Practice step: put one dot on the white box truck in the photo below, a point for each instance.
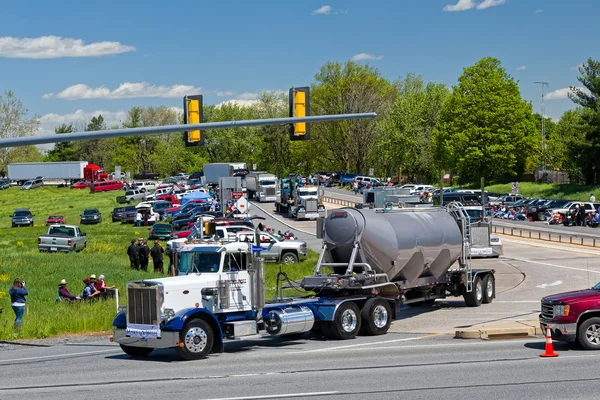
(67, 170)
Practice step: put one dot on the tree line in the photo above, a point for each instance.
(480, 127)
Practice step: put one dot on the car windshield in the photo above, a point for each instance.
(90, 212)
(199, 262)
(159, 206)
(165, 227)
(307, 193)
(21, 213)
(55, 217)
(28, 183)
(597, 286)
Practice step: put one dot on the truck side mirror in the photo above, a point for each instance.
(83, 234)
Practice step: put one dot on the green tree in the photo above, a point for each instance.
(63, 151)
(485, 128)
(588, 98)
(96, 151)
(349, 88)
(14, 123)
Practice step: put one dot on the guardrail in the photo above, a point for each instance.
(548, 236)
(345, 203)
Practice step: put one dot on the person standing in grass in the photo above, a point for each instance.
(17, 292)
(144, 251)
(157, 257)
(592, 198)
(134, 255)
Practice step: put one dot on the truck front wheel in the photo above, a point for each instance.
(136, 351)
(346, 323)
(475, 296)
(376, 317)
(588, 334)
(197, 338)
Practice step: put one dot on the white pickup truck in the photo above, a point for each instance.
(66, 238)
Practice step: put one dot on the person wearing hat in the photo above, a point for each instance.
(63, 292)
(89, 292)
(105, 290)
(93, 280)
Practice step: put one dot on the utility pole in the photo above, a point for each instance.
(544, 85)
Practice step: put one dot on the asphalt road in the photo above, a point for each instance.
(417, 359)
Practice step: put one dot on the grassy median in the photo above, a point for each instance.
(105, 254)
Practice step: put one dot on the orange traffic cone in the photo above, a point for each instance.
(549, 347)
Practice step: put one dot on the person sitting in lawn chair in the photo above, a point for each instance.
(90, 293)
(64, 294)
(105, 291)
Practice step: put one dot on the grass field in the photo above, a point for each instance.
(567, 192)
(105, 254)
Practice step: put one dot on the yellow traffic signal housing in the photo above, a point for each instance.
(192, 114)
(210, 228)
(299, 100)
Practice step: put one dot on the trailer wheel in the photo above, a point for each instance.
(474, 298)
(197, 338)
(136, 351)
(488, 289)
(376, 317)
(588, 334)
(346, 323)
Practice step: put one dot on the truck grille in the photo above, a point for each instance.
(480, 235)
(142, 305)
(310, 205)
(270, 191)
(547, 311)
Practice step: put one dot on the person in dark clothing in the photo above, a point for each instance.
(157, 257)
(64, 294)
(17, 293)
(144, 252)
(134, 255)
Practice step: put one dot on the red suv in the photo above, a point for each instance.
(573, 317)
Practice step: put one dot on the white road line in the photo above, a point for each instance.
(551, 265)
(59, 356)
(278, 396)
(517, 301)
(358, 345)
(545, 285)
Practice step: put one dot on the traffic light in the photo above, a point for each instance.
(210, 228)
(300, 107)
(192, 114)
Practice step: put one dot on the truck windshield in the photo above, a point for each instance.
(21, 214)
(307, 193)
(266, 183)
(199, 262)
(90, 212)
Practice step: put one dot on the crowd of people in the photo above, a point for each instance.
(94, 288)
(139, 255)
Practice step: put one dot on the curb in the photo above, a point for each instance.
(519, 329)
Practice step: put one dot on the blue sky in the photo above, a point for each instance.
(66, 60)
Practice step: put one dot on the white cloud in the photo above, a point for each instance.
(576, 68)
(79, 119)
(365, 56)
(127, 90)
(247, 96)
(237, 102)
(538, 11)
(490, 3)
(323, 10)
(563, 93)
(462, 5)
(225, 93)
(521, 68)
(55, 47)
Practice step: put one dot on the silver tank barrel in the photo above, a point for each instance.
(404, 244)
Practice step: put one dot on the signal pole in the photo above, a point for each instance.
(544, 85)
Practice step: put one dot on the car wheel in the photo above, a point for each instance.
(588, 334)
(541, 216)
(197, 338)
(289, 258)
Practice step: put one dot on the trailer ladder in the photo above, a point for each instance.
(461, 216)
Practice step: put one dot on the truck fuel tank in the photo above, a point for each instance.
(405, 244)
(289, 320)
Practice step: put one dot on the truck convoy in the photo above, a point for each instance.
(261, 186)
(72, 171)
(372, 261)
(299, 201)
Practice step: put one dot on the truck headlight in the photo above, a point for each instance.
(122, 310)
(561, 311)
(168, 313)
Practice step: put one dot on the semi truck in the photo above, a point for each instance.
(261, 186)
(67, 170)
(371, 262)
(299, 201)
(214, 171)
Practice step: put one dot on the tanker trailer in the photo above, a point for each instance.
(408, 253)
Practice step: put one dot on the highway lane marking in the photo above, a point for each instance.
(281, 221)
(516, 302)
(367, 344)
(278, 396)
(551, 265)
(86, 353)
(545, 285)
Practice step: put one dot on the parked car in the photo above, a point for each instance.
(146, 185)
(32, 184)
(196, 175)
(160, 231)
(182, 176)
(128, 215)
(22, 217)
(4, 184)
(116, 214)
(66, 238)
(81, 185)
(55, 219)
(146, 175)
(539, 212)
(105, 186)
(508, 199)
(91, 216)
(564, 209)
(132, 195)
(276, 248)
